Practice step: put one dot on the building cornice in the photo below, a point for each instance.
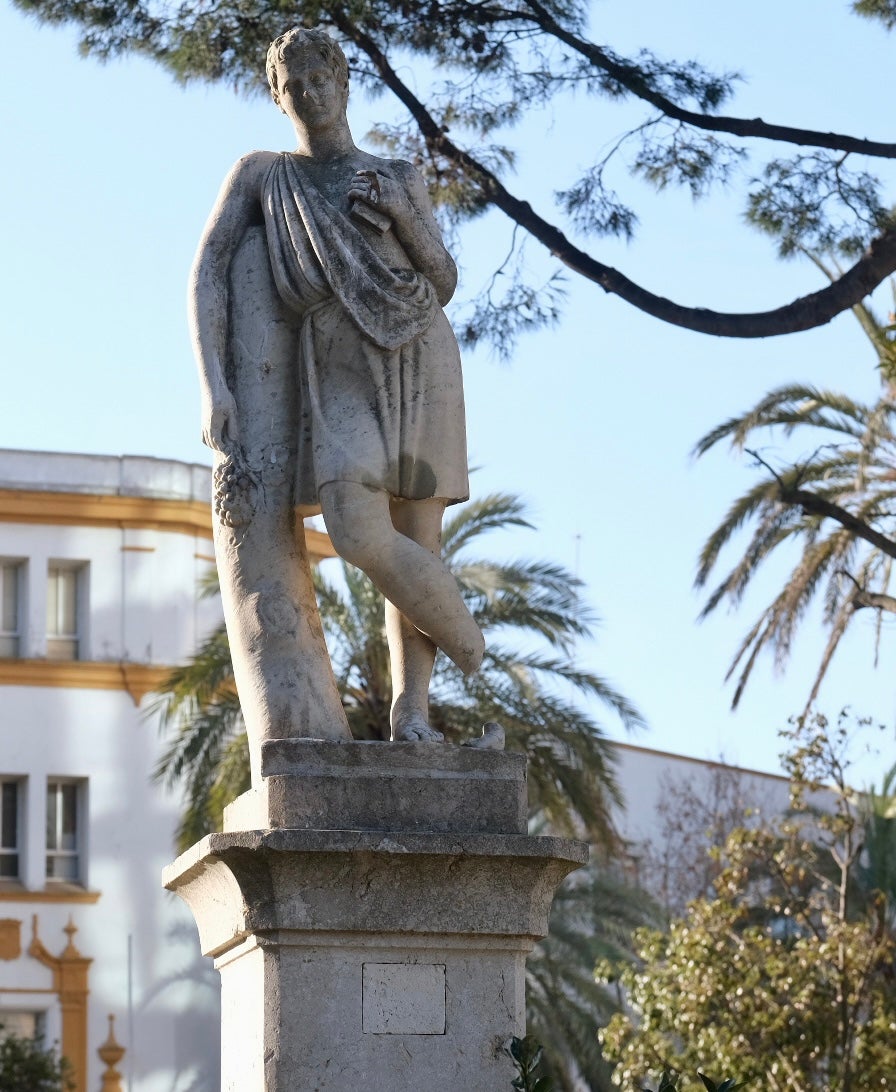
(707, 763)
(137, 679)
(191, 517)
(186, 517)
(59, 893)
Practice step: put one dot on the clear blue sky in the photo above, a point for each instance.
(110, 173)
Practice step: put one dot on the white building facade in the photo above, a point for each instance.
(100, 560)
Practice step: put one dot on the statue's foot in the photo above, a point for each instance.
(414, 729)
(492, 738)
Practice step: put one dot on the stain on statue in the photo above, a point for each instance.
(331, 382)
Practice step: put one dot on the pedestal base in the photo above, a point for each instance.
(378, 959)
(375, 1012)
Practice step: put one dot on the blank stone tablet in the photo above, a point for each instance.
(403, 998)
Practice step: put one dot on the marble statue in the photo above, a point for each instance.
(331, 382)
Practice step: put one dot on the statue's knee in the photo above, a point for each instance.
(349, 542)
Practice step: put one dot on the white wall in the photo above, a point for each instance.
(644, 776)
(140, 589)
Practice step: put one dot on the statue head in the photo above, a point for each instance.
(303, 48)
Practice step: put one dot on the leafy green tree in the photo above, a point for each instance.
(831, 508)
(787, 974)
(532, 614)
(482, 63)
(26, 1065)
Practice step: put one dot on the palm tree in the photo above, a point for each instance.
(532, 613)
(594, 916)
(835, 507)
(877, 864)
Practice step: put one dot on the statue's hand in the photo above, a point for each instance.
(381, 192)
(220, 426)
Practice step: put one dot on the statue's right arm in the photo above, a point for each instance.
(236, 208)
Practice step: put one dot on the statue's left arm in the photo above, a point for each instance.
(403, 197)
(237, 204)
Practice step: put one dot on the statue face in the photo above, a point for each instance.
(309, 93)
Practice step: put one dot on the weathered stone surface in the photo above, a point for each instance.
(331, 382)
(273, 625)
(316, 784)
(305, 926)
(303, 757)
(319, 1043)
(343, 880)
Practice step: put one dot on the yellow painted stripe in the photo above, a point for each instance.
(137, 679)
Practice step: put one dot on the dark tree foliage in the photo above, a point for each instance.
(885, 10)
(26, 1065)
(593, 919)
(669, 1082)
(526, 1055)
(480, 65)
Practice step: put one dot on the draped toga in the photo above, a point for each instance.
(380, 388)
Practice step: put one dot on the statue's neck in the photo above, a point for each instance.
(325, 144)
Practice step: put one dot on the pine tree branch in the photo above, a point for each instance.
(629, 77)
(804, 313)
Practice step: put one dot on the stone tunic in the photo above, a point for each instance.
(381, 395)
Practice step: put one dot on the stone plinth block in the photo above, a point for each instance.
(386, 959)
(323, 785)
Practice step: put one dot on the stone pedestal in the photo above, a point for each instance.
(370, 908)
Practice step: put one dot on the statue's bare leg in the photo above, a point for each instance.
(409, 575)
(412, 653)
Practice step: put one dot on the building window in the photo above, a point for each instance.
(10, 828)
(10, 607)
(64, 831)
(65, 585)
(21, 1024)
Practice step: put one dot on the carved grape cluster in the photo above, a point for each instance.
(235, 492)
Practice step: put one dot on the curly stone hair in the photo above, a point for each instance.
(298, 40)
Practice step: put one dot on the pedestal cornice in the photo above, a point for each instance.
(390, 882)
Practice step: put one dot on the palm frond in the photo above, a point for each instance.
(789, 407)
(495, 512)
(755, 502)
(532, 597)
(852, 467)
